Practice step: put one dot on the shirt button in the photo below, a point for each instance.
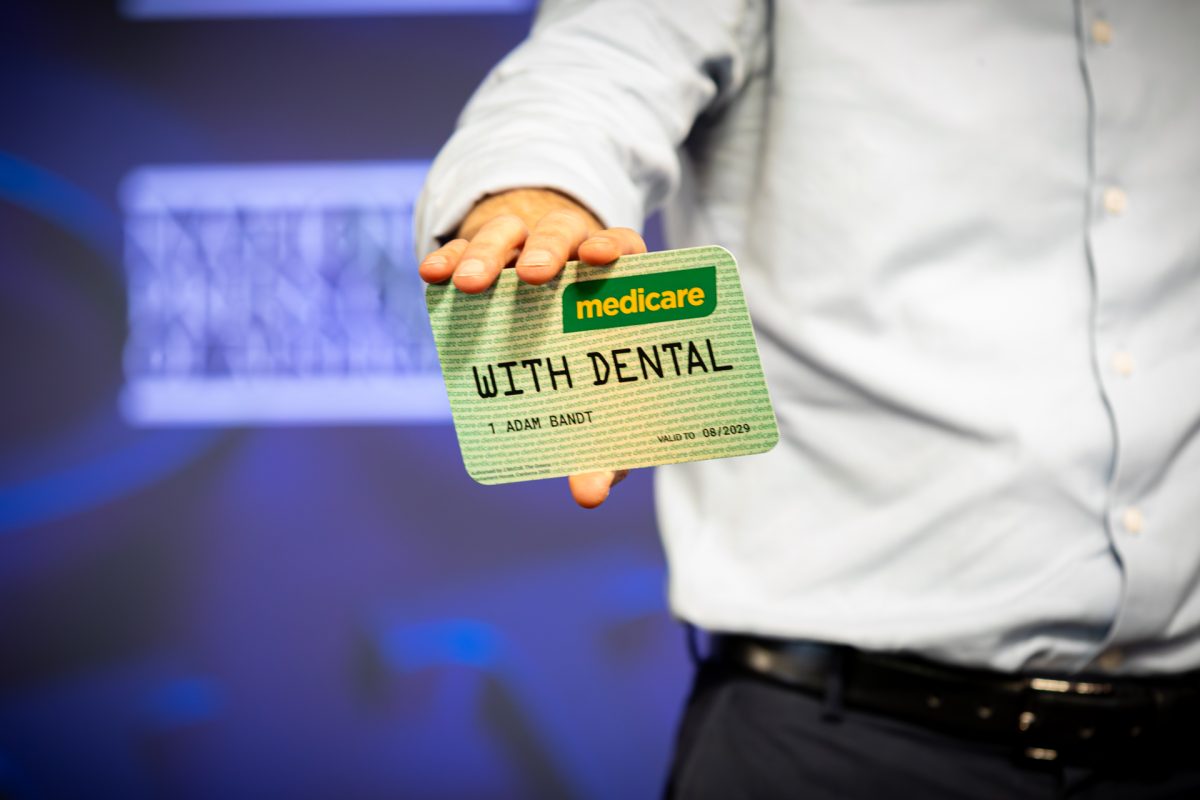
(1114, 200)
(1132, 520)
(1102, 32)
(1110, 659)
(1122, 363)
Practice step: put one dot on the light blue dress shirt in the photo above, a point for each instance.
(969, 235)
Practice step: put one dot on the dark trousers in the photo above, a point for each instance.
(743, 736)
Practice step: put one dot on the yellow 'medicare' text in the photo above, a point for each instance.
(639, 301)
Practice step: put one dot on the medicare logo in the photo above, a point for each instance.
(639, 299)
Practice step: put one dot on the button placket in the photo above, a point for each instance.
(1109, 204)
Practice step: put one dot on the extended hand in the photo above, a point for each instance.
(543, 230)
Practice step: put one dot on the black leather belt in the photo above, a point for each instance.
(1057, 719)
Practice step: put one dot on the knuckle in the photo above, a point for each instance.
(487, 255)
(567, 224)
(553, 241)
(500, 232)
(548, 224)
(564, 218)
(507, 222)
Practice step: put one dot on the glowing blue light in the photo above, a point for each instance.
(61, 202)
(183, 701)
(452, 641)
(59, 491)
(140, 463)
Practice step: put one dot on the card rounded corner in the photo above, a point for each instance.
(728, 253)
(482, 481)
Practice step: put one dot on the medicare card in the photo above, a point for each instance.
(650, 361)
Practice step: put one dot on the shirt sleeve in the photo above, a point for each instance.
(596, 104)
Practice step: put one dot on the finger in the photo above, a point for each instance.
(590, 489)
(606, 246)
(439, 265)
(551, 244)
(488, 252)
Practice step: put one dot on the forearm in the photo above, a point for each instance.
(595, 105)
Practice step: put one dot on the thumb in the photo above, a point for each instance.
(590, 489)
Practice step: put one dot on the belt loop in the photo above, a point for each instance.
(835, 684)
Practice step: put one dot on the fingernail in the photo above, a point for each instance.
(470, 268)
(435, 261)
(536, 258)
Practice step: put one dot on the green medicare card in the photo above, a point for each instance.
(650, 361)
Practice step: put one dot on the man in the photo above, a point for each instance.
(967, 236)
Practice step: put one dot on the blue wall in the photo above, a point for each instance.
(284, 611)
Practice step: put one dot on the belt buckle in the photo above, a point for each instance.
(1040, 695)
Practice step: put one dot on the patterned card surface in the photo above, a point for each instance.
(651, 361)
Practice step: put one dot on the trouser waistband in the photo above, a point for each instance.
(1064, 719)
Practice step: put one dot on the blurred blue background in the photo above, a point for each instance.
(239, 554)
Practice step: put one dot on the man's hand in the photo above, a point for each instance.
(542, 230)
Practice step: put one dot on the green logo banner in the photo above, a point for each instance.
(639, 299)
